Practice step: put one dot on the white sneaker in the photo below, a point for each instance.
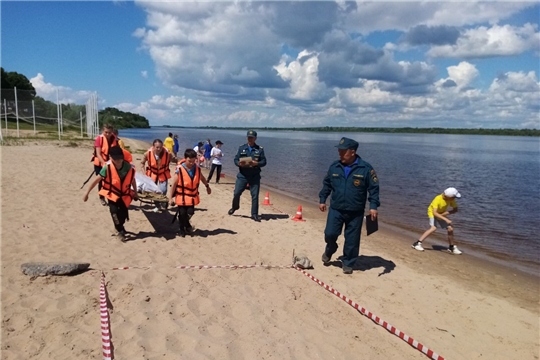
(455, 251)
(418, 246)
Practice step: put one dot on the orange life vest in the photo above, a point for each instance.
(127, 156)
(161, 172)
(105, 146)
(187, 189)
(113, 188)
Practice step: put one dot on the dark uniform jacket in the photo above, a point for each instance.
(350, 193)
(257, 154)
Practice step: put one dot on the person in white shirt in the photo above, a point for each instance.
(216, 154)
(200, 153)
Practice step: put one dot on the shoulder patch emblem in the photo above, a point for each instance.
(373, 175)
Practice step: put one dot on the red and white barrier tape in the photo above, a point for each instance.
(187, 267)
(104, 312)
(131, 267)
(430, 353)
(105, 334)
(232, 266)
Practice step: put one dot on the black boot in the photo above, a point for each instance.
(182, 232)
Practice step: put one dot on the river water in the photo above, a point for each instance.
(497, 176)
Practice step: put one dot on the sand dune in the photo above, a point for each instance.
(460, 307)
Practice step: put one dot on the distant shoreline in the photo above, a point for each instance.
(386, 130)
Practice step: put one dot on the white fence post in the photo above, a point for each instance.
(34, 116)
(58, 113)
(17, 112)
(5, 107)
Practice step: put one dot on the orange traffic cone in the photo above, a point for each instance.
(267, 199)
(298, 216)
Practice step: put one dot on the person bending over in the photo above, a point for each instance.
(437, 214)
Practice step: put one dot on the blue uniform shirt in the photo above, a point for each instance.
(256, 152)
(349, 167)
(349, 189)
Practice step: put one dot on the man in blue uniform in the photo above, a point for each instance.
(249, 173)
(349, 180)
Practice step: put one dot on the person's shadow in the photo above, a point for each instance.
(438, 248)
(160, 221)
(267, 217)
(364, 263)
(205, 233)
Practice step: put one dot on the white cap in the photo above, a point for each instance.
(452, 192)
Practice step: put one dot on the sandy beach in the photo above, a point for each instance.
(461, 307)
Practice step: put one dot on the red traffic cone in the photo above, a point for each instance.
(267, 199)
(298, 216)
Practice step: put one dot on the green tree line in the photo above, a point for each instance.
(47, 111)
(402, 130)
(121, 120)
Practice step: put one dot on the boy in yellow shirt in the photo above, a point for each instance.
(437, 213)
(168, 143)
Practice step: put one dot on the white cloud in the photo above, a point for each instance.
(380, 16)
(302, 75)
(462, 74)
(312, 63)
(368, 96)
(505, 40)
(160, 107)
(516, 82)
(66, 95)
(517, 94)
(171, 102)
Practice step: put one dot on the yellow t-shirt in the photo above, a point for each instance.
(441, 205)
(169, 143)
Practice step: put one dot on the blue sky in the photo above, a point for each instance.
(450, 64)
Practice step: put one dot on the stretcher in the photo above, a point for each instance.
(153, 199)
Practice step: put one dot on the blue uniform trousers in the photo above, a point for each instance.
(353, 225)
(239, 187)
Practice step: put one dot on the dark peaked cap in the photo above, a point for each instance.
(346, 143)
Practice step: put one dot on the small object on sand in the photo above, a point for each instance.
(302, 262)
(44, 269)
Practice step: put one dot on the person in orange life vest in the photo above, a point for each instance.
(102, 144)
(158, 158)
(118, 178)
(185, 190)
(127, 156)
(118, 140)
